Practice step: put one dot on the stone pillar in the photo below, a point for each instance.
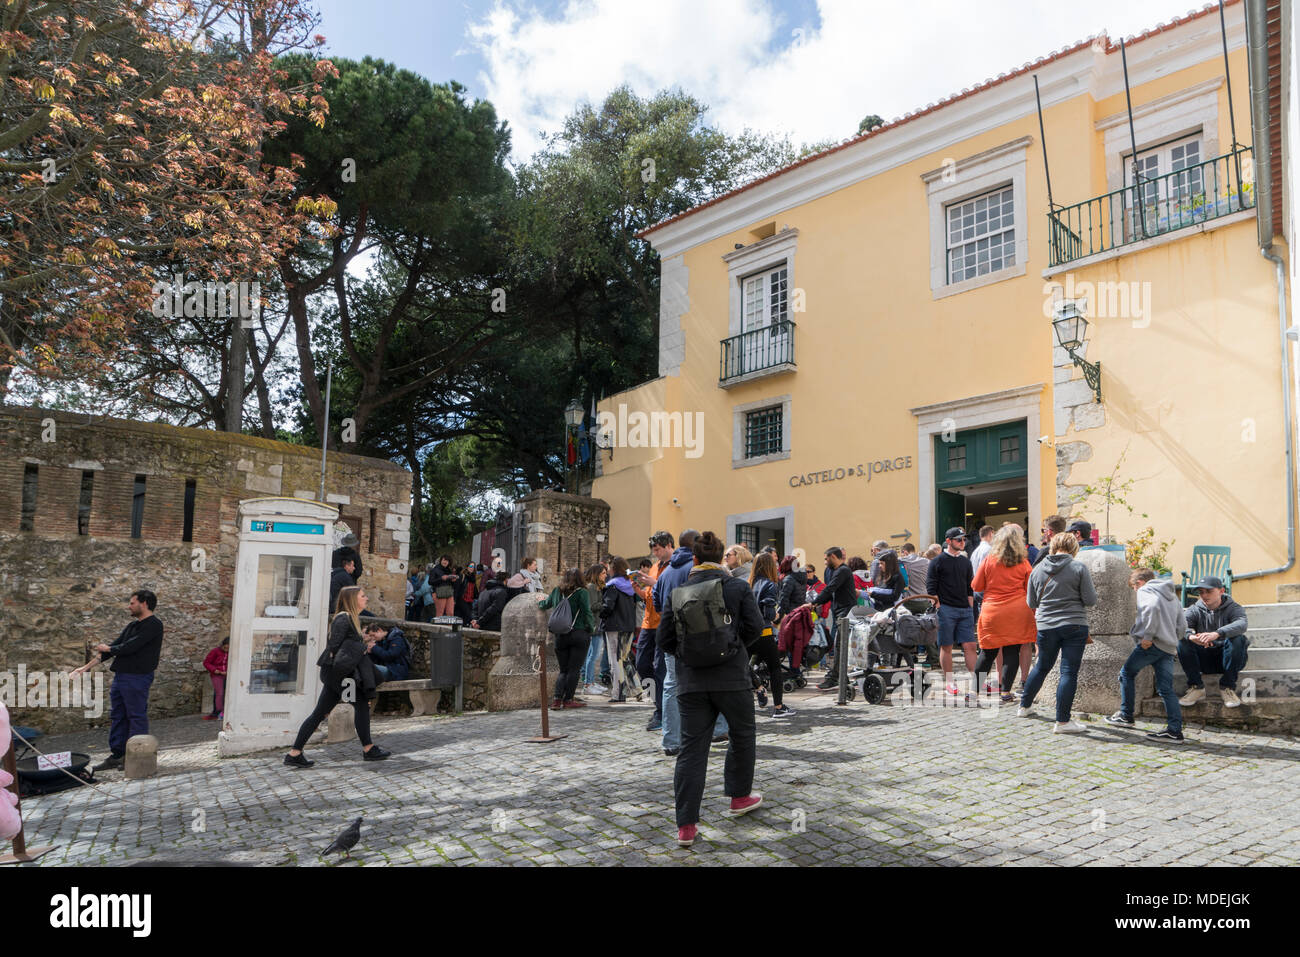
(341, 724)
(513, 684)
(141, 756)
(1109, 622)
(563, 531)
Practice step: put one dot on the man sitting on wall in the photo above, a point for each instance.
(1216, 643)
(390, 653)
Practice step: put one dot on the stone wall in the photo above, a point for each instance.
(563, 531)
(1076, 409)
(64, 583)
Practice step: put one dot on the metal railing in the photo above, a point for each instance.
(1155, 206)
(764, 348)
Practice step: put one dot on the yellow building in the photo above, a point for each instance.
(862, 345)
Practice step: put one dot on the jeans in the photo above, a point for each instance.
(129, 701)
(699, 710)
(1163, 664)
(382, 673)
(595, 655)
(329, 697)
(1068, 642)
(618, 644)
(672, 737)
(1225, 657)
(570, 651)
(650, 666)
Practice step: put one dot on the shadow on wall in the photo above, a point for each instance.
(1124, 406)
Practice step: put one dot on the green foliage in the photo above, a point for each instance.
(1111, 491)
(1144, 550)
(869, 123)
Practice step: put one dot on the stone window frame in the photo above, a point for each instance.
(738, 413)
(966, 179)
(785, 513)
(771, 253)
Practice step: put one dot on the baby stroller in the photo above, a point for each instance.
(883, 648)
(790, 678)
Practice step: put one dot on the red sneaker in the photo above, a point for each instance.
(744, 805)
(686, 835)
(575, 703)
(557, 704)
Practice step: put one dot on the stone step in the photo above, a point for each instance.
(1273, 637)
(1275, 615)
(1273, 659)
(1282, 683)
(1270, 715)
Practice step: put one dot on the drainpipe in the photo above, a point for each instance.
(1257, 54)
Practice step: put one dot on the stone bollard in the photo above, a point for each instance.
(1109, 621)
(425, 702)
(513, 684)
(341, 724)
(141, 756)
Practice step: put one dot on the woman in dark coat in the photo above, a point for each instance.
(794, 585)
(618, 622)
(571, 648)
(344, 659)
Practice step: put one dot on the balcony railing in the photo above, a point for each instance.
(766, 350)
(1153, 207)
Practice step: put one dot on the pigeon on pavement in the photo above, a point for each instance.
(347, 840)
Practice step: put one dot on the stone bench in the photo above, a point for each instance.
(423, 692)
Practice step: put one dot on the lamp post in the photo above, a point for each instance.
(1071, 327)
(572, 421)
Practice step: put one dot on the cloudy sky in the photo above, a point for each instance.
(807, 68)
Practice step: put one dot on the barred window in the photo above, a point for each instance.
(981, 235)
(747, 535)
(956, 458)
(763, 432)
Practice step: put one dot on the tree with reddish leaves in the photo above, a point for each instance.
(131, 150)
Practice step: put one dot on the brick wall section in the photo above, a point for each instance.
(61, 591)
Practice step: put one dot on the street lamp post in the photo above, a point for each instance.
(572, 421)
(1071, 327)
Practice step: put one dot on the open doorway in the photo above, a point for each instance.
(987, 503)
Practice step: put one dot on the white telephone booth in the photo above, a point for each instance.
(277, 621)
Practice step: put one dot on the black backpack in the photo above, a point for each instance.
(705, 635)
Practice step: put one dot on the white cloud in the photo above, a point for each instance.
(744, 60)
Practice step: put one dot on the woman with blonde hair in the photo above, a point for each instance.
(739, 560)
(344, 659)
(1006, 622)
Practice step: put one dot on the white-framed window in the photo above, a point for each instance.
(1169, 174)
(981, 235)
(978, 224)
(766, 297)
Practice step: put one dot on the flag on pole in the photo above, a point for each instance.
(572, 452)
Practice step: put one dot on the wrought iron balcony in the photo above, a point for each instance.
(1153, 207)
(765, 351)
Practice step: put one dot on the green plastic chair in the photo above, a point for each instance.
(1207, 560)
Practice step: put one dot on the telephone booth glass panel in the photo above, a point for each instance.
(276, 665)
(283, 587)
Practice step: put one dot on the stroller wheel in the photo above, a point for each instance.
(853, 691)
(801, 682)
(873, 688)
(788, 685)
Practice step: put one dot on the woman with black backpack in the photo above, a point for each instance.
(570, 646)
(345, 658)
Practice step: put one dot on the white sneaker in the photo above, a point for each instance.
(1023, 712)
(1230, 699)
(597, 689)
(1193, 695)
(1070, 727)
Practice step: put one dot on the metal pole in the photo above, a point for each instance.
(546, 737)
(21, 853)
(1227, 76)
(1128, 99)
(1043, 139)
(842, 658)
(325, 432)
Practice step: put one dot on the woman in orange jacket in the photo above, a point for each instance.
(1006, 621)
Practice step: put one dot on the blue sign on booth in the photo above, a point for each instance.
(286, 528)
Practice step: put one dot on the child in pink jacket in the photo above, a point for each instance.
(215, 662)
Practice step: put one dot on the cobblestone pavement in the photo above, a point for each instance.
(852, 785)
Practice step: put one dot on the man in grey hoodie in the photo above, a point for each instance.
(1160, 623)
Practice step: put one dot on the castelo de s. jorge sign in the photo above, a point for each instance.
(862, 470)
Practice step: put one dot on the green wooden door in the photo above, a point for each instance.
(950, 512)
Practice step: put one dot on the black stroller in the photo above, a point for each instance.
(882, 655)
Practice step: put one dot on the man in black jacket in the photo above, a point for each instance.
(135, 656)
(492, 603)
(843, 596)
(705, 692)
